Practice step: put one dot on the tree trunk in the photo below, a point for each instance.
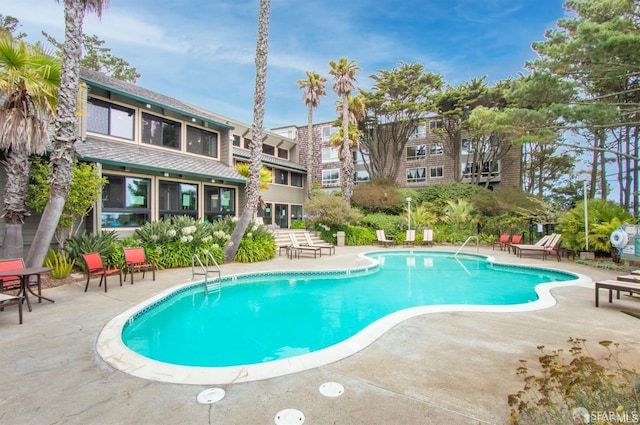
(259, 100)
(310, 152)
(15, 198)
(347, 163)
(63, 153)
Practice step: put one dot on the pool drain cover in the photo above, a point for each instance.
(210, 396)
(289, 417)
(331, 389)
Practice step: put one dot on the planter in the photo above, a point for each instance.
(587, 255)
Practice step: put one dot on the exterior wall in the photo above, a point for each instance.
(509, 166)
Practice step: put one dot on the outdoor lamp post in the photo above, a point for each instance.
(409, 209)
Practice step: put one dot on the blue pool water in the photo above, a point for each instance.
(260, 318)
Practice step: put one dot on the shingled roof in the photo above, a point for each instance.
(98, 79)
(135, 156)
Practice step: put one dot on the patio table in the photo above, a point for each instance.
(25, 274)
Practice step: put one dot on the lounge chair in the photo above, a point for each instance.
(95, 268)
(502, 242)
(551, 245)
(427, 237)
(296, 248)
(615, 285)
(410, 238)
(135, 261)
(326, 245)
(383, 240)
(541, 243)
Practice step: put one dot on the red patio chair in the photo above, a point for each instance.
(502, 242)
(95, 268)
(8, 283)
(136, 262)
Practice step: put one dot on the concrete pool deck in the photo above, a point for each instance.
(445, 367)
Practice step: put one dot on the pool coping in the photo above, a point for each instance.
(114, 352)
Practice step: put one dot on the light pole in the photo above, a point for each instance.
(409, 209)
(586, 218)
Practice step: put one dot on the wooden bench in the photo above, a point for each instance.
(615, 285)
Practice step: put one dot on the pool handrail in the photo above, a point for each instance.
(215, 285)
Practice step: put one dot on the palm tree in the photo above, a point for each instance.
(314, 86)
(29, 79)
(63, 154)
(344, 72)
(259, 100)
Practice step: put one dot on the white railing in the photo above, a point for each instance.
(214, 285)
(465, 242)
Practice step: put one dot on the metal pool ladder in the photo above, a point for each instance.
(203, 269)
(465, 242)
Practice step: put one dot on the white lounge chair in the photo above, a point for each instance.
(326, 245)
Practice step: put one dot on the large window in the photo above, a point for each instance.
(283, 153)
(160, 131)
(330, 177)
(177, 199)
(112, 120)
(416, 175)
(296, 179)
(329, 154)
(236, 140)
(125, 202)
(471, 168)
(416, 153)
(327, 132)
(435, 124)
(219, 202)
(468, 146)
(419, 132)
(281, 176)
(436, 149)
(202, 142)
(268, 149)
(296, 213)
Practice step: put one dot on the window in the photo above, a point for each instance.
(236, 140)
(330, 177)
(125, 202)
(436, 149)
(467, 147)
(160, 131)
(327, 132)
(177, 198)
(247, 143)
(219, 202)
(296, 179)
(470, 168)
(329, 154)
(416, 175)
(281, 176)
(202, 142)
(291, 133)
(436, 171)
(268, 149)
(296, 212)
(415, 153)
(435, 124)
(419, 132)
(112, 120)
(362, 176)
(283, 153)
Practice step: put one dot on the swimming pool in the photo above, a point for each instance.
(290, 320)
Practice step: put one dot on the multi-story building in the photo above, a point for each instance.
(163, 157)
(424, 161)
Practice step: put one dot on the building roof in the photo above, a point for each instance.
(145, 96)
(245, 154)
(135, 156)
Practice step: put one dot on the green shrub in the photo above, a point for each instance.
(298, 224)
(105, 243)
(577, 382)
(391, 224)
(60, 264)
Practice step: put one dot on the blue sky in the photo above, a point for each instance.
(202, 51)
